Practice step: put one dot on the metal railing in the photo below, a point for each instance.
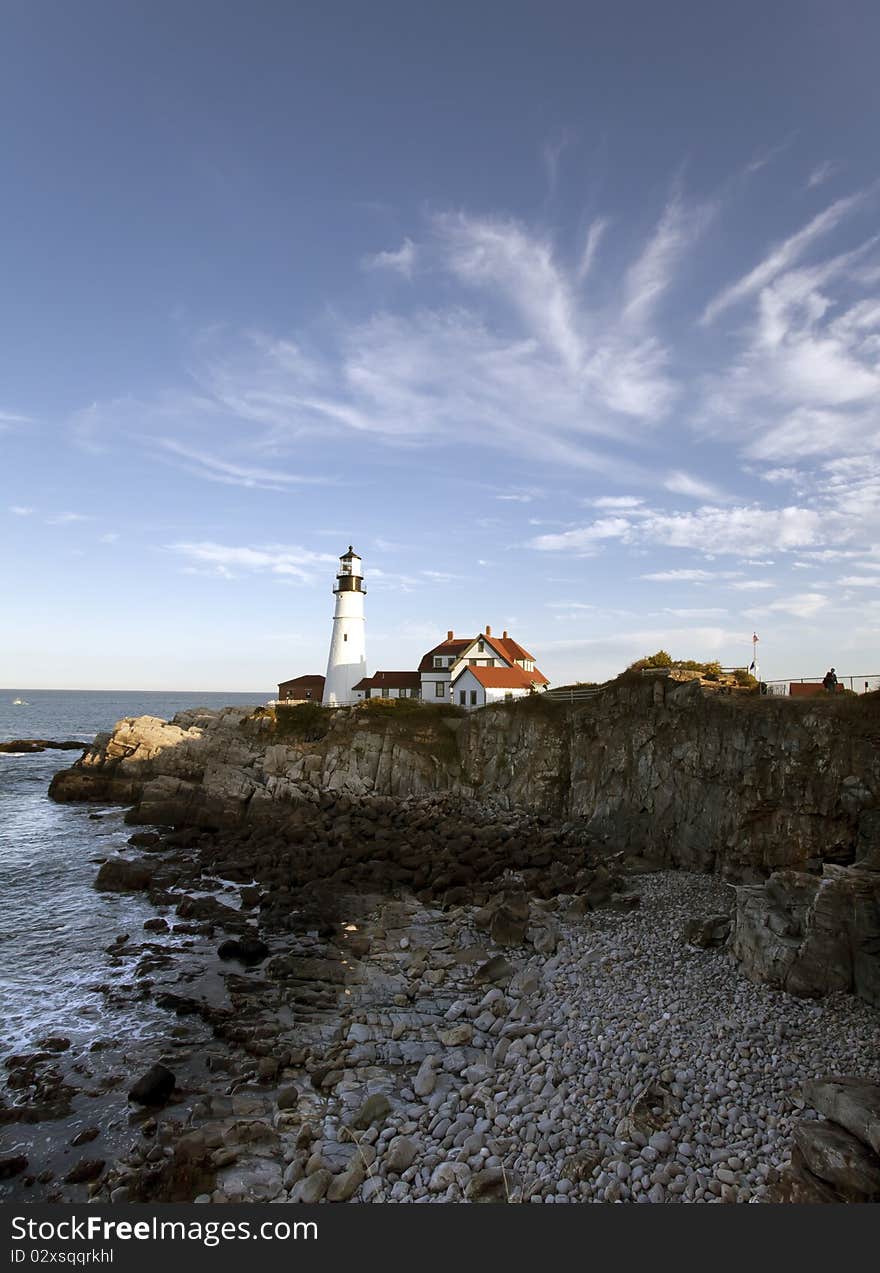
(861, 683)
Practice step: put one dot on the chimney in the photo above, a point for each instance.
(488, 630)
(504, 635)
(449, 635)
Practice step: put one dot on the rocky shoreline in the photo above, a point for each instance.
(433, 1000)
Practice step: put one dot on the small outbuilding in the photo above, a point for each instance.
(302, 689)
(388, 685)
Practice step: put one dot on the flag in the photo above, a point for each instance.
(752, 666)
(754, 636)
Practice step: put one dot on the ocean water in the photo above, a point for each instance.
(54, 926)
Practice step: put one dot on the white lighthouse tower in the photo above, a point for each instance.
(348, 660)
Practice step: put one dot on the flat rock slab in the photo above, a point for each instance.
(852, 1102)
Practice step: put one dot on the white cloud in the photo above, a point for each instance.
(781, 257)
(651, 274)
(276, 559)
(585, 539)
(67, 519)
(681, 483)
(622, 502)
(680, 576)
(215, 470)
(20, 510)
(403, 261)
(750, 585)
(591, 247)
(803, 606)
(10, 420)
(740, 531)
(821, 173)
(707, 612)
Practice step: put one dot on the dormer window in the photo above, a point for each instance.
(438, 661)
(480, 647)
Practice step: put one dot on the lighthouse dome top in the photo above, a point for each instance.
(350, 554)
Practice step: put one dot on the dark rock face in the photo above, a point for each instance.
(85, 1170)
(854, 1103)
(836, 1159)
(836, 1156)
(118, 876)
(812, 935)
(154, 1087)
(248, 950)
(40, 744)
(13, 1165)
(712, 931)
(742, 787)
(656, 769)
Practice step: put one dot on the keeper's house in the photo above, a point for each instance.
(499, 666)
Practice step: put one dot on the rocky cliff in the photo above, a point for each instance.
(777, 796)
(740, 786)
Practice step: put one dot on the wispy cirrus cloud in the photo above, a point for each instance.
(781, 257)
(12, 420)
(738, 531)
(822, 173)
(508, 348)
(402, 261)
(274, 559)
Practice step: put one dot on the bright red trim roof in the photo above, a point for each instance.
(507, 678)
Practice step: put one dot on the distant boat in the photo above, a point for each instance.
(20, 702)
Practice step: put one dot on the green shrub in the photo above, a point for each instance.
(302, 722)
(660, 659)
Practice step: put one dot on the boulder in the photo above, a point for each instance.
(374, 1111)
(247, 950)
(839, 1158)
(119, 876)
(12, 1165)
(510, 920)
(402, 1153)
(488, 1185)
(713, 930)
(854, 1103)
(154, 1087)
(85, 1170)
(311, 1188)
(812, 935)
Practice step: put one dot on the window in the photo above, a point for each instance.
(508, 696)
(439, 689)
(438, 661)
(462, 697)
(480, 647)
(345, 636)
(366, 693)
(450, 661)
(401, 693)
(473, 662)
(473, 698)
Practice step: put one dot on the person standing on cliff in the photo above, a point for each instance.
(830, 681)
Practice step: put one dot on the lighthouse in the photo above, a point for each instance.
(347, 663)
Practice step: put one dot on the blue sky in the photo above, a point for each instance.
(566, 315)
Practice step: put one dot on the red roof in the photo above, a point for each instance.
(510, 649)
(390, 681)
(447, 648)
(506, 678)
(304, 682)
